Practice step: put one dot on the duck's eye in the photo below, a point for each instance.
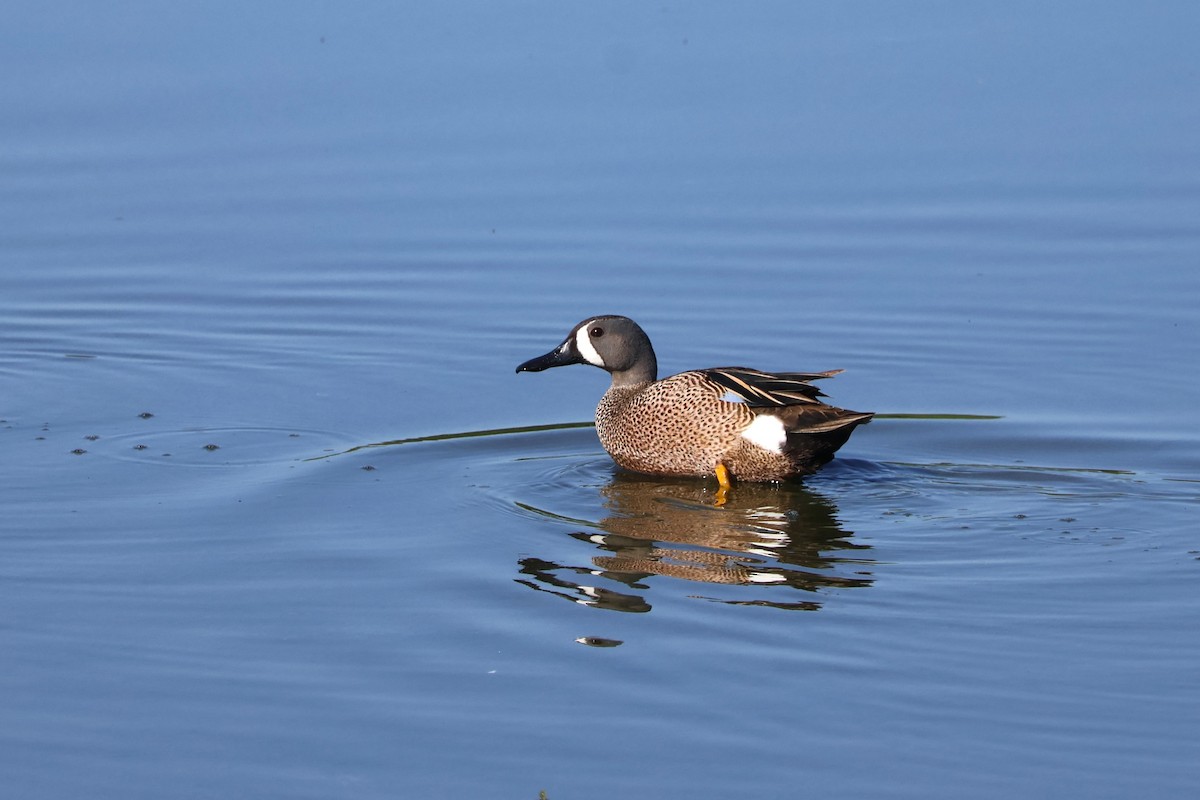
(596, 332)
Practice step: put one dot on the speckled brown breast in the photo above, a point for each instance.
(681, 426)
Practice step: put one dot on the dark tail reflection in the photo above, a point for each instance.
(775, 537)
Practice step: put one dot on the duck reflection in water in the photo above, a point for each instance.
(773, 536)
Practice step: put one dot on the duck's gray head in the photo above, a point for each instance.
(616, 344)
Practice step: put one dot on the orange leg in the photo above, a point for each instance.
(725, 484)
(723, 476)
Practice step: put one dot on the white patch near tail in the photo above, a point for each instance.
(584, 345)
(767, 432)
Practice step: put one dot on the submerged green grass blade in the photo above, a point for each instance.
(971, 417)
(562, 426)
(440, 437)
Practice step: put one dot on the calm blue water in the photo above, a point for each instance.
(238, 245)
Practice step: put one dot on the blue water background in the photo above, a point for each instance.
(248, 240)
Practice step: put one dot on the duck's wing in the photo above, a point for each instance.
(758, 388)
(816, 419)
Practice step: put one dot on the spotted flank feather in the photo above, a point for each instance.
(766, 389)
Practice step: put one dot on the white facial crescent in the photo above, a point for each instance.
(584, 344)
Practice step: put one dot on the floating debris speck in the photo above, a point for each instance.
(599, 641)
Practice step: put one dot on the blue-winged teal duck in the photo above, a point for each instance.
(727, 421)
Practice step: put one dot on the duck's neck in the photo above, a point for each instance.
(644, 371)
